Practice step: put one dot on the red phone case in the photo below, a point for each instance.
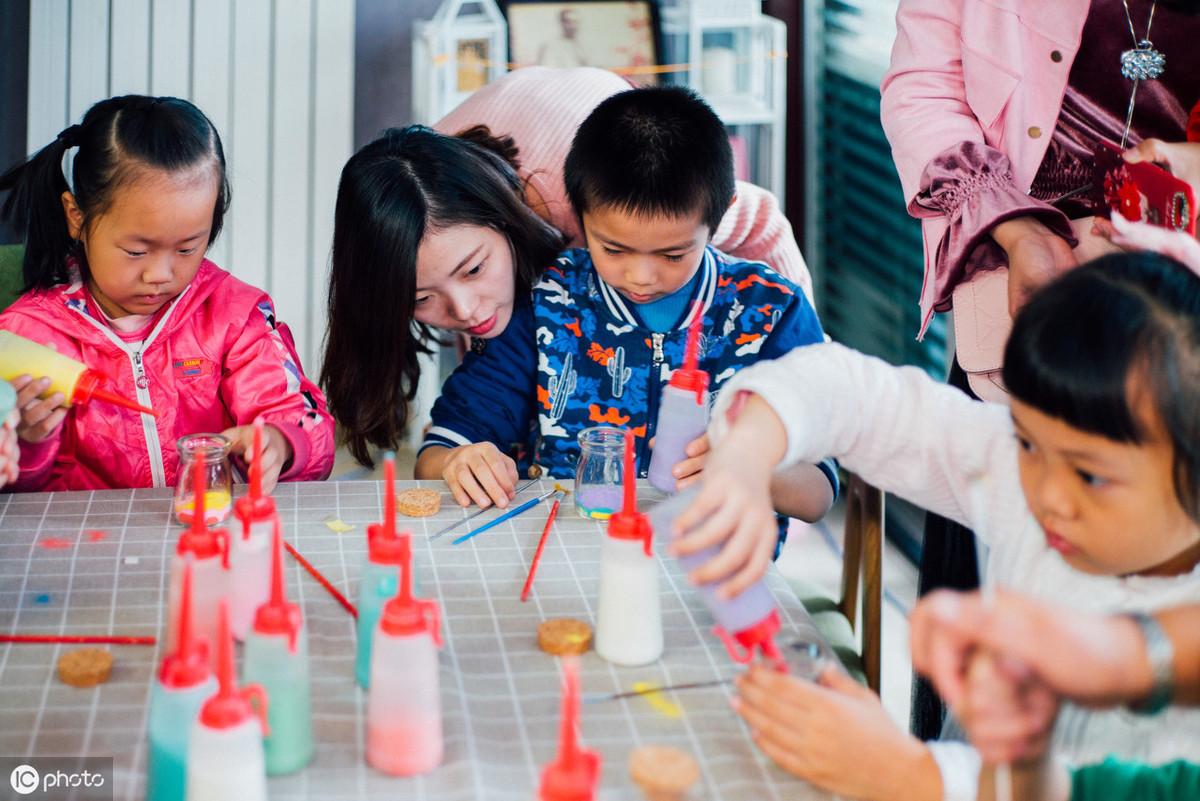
(1143, 191)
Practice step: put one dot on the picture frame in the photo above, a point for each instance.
(617, 35)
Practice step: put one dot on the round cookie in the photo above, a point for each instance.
(662, 772)
(85, 667)
(564, 636)
(418, 502)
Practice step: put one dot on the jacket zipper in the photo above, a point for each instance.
(653, 397)
(158, 472)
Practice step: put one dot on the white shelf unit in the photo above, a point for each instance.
(736, 58)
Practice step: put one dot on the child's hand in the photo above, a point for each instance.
(690, 470)
(276, 450)
(826, 732)
(480, 473)
(39, 418)
(1007, 712)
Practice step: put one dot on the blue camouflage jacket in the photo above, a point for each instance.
(578, 356)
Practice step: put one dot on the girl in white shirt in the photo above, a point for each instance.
(1087, 492)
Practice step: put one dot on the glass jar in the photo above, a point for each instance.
(218, 478)
(600, 473)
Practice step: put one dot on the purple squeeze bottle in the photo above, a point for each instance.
(683, 412)
(747, 622)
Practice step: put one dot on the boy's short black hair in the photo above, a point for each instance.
(653, 151)
(1085, 344)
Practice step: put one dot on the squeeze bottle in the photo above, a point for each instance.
(575, 772)
(225, 754)
(184, 682)
(209, 552)
(404, 709)
(683, 412)
(378, 579)
(78, 383)
(276, 658)
(629, 621)
(250, 549)
(745, 623)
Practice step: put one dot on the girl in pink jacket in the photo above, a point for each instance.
(116, 278)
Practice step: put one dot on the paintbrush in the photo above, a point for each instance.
(599, 698)
(442, 531)
(506, 516)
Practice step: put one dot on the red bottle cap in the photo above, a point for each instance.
(628, 524)
(760, 637)
(690, 378)
(198, 539)
(230, 706)
(87, 389)
(383, 546)
(575, 772)
(404, 615)
(187, 666)
(277, 616)
(254, 507)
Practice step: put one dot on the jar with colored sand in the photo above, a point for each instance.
(599, 474)
(218, 498)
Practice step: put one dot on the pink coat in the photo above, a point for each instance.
(541, 108)
(215, 359)
(989, 71)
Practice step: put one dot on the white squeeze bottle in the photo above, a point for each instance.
(404, 706)
(250, 547)
(225, 752)
(683, 412)
(209, 552)
(629, 620)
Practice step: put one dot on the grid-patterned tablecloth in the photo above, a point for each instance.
(94, 563)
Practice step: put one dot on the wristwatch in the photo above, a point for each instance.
(1161, 654)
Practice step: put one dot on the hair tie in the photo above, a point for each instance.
(70, 136)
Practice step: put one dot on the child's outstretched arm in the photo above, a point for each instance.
(895, 427)
(486, 404)
(263, 378)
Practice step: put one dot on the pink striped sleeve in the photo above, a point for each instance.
(755, 229)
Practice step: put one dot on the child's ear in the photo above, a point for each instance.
(74, 215)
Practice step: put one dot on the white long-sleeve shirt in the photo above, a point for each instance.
(923, 441)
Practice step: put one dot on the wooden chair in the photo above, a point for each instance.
(862, 568)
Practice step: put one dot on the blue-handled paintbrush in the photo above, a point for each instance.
(506, 516)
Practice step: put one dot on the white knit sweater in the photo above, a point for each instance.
(923, 441)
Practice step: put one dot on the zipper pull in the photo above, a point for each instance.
(657, 341)
(139, 374)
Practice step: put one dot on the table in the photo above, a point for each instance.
(94, 563)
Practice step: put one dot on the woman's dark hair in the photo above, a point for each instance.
(1082, 345)
(392, 192)
(116, 138)
(653, 151)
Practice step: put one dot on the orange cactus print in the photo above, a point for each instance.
(574, 328)
(744, 338)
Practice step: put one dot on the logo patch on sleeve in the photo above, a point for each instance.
(191, 368)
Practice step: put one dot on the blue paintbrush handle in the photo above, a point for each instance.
(506, 516)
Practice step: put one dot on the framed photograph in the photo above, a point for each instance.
(618, 35)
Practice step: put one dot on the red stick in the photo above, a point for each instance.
(324, 582)
(76, 639)
(537, 555)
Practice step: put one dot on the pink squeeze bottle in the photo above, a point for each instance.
(575, 772)
(745, 623)
(404, 706)
(225, 752)
(209, 551)
(683, 412)
(250, 549)
(628, 616)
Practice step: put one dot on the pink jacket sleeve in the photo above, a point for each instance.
(263, 377)
(755, 229)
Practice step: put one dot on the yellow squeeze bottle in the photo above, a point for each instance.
(78, 383)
